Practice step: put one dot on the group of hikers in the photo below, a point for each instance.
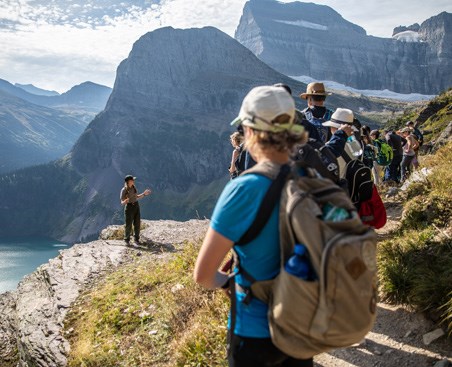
(268, 325)
(307, 201)
(391, 155)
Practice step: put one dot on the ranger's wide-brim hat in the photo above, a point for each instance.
(129, 177)
(315, 89)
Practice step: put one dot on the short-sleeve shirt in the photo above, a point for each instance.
(234, 213)
(129, 193)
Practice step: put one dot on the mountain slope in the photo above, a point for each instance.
(88, 95)
(167, 122)
(314, 40)
(33, 134)
(30, 88)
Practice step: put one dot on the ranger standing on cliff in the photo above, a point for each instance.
(129, 198)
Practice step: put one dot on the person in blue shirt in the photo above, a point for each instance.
(268, 118)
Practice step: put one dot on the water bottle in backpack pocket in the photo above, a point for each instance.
(299, 264)
(334, 213)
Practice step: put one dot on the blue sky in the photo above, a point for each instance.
(56, 44)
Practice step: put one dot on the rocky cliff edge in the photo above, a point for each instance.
(32, 317)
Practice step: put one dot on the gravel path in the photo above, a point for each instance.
(397, 337)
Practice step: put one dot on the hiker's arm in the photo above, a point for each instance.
(212, 253)
(337, 142)
(123, 198)
(235, 154)
(145, 193)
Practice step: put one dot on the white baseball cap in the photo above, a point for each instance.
(262, 105)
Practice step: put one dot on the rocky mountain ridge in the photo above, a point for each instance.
(39, 126)
(30, 88)
(33, 134)
(305, 39)
(87, 95)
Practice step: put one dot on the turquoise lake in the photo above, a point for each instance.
(19, 257)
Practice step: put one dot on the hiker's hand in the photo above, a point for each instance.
(347, 128)
(125, 201)
(147, 192)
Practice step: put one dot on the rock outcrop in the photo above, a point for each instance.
(32, 317)
(414, 28)
(314, 40)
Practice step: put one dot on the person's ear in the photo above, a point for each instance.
(248, 132)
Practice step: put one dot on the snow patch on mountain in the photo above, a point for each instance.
(387, 94)
(407, 36)
(304, 24)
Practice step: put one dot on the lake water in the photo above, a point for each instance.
(19, 257)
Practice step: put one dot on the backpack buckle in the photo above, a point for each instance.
(246, 291)
(248, 296)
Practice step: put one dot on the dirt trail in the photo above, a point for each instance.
(396, 339)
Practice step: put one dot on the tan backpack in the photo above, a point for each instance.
(338, 309)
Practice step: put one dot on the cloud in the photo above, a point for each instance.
(379, 18)
(61, 43)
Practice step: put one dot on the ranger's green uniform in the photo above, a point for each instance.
(131, 213)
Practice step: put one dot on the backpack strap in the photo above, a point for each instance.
(346, 157)
(267, 205)
(263, 215)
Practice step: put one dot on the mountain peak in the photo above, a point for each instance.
(305, 39)
(30, 88)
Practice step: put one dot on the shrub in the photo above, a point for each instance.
(415, 265)
(416, 269)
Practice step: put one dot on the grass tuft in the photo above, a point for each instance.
(150, 313)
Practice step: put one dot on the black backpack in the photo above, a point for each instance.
(316, 155)
(359, 180)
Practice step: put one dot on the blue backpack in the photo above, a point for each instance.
(317, 122)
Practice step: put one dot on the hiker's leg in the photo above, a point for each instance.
(376, 170)
(137, 222)
(260, 352)
(128, 222)
(405, 166)
(397, 168)
(292, 362)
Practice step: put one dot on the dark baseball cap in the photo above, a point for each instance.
(129, 177)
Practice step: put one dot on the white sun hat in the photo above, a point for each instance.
(340, 116)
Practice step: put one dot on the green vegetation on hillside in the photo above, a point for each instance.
(150, 313)
(432, 118)
(415, 264)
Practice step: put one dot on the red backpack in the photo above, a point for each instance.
(373, 212)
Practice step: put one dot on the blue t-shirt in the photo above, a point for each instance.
(234, 213)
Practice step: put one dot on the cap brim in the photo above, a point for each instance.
(306, 95)
(330, 123)
(236, 122)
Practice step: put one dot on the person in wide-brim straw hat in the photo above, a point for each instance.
(268, 119)
(315, 89)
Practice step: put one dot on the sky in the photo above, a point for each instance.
(56, 44)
